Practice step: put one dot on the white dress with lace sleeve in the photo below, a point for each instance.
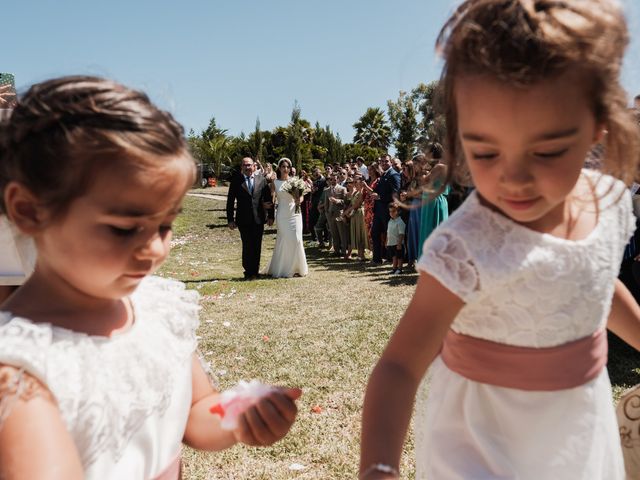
(124, 399)
(523, 288)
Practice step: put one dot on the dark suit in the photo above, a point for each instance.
(386, 188)
(250, 217)
(318, 187)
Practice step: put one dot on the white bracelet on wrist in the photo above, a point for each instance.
(379, 467)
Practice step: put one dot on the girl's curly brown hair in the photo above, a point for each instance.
(521, 42)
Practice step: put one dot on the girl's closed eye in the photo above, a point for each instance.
(484, 156)
(552, 153)
(124, 232)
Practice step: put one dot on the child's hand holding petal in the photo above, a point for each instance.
(270, 419)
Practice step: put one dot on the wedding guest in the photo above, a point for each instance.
(362, 168)
(346, 216)
(397, 164)
(386, 188)
(412, 206)
(317, 187)
(333, 207)
(369, 188)
(358, 235)
(395, 239)
(435, 209)
(305, 205)
(321, 227)
(342, 177)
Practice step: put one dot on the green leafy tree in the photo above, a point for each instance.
(404, 125)
(299, 138)
(211, 147)
(370, 154)
(327, 146)
(256, 142)
(431, 125)
(373, 130)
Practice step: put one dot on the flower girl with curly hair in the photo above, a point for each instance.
(98, 373)
(517, 288)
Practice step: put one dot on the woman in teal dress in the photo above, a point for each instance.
(436, 210)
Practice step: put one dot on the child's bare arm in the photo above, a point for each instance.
(34, 442)
(395, 379)
(624, 318)
(263, 424)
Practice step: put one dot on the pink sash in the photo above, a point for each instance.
(545, 369)
(173, 470)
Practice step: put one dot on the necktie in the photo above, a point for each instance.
(250, 184)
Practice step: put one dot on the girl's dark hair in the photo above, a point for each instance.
(65, 130)
(521, 42)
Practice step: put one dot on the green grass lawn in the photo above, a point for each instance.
(323, 333)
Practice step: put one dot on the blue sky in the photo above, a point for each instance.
(239, 60)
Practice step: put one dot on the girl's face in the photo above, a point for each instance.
(525, 148)
(117, 233)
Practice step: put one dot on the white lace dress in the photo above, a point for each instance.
(522, 288)
(125, 399)
(288, 257)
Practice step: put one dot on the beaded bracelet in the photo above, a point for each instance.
(379, 467)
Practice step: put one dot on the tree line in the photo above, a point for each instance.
(409, 123)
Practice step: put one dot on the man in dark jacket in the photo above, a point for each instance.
(251, 195)
(387, 187)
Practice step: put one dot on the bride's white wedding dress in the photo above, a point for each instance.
(288, 257)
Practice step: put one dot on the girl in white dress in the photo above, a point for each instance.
(288, 258)
(517, 288)
(98, 377)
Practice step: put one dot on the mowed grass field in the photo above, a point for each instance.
(322, 333)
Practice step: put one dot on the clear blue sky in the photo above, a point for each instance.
(239, 59)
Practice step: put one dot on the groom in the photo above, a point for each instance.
(252, 194)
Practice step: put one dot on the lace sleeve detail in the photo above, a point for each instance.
(177, 306)
(446, 257)
(15, 385)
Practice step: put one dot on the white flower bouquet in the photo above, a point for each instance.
(296, 187)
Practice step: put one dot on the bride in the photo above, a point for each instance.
(288, 257)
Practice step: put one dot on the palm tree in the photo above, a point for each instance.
(373, 130)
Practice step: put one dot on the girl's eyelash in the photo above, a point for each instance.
(555, 154)
(129, 232)
(484, 156)
(123, 232)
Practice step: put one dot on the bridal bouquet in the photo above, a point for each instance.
(296, 187)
